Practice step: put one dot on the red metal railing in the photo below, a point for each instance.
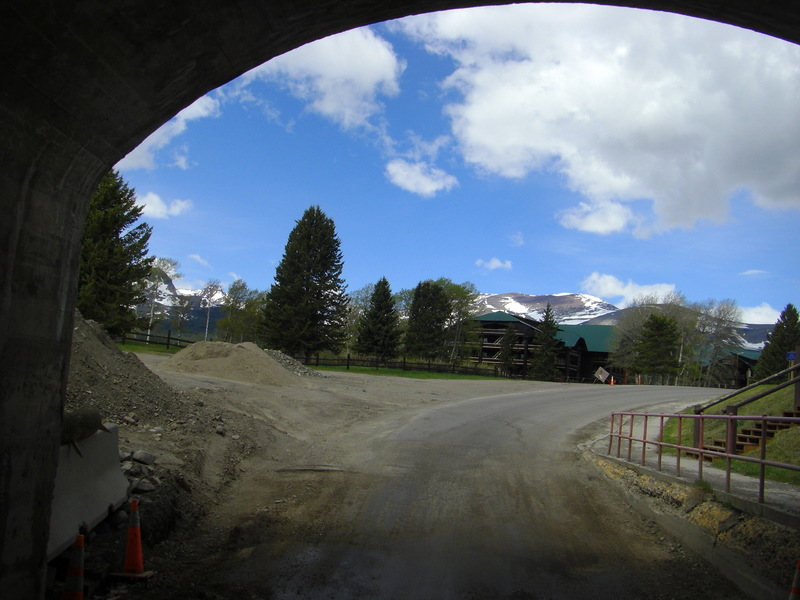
(641, 435)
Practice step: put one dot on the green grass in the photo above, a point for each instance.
(130, 346)
(409, 374)
(784, 447)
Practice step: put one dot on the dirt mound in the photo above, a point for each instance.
(239, 362)
(116, 382)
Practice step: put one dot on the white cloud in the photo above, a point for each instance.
(156, 208)
(603, 217)
(200, 260)
(419, 177)
(494, 264)
(144, 156)
(625, 104)
(753, 273)
(517, 239)
(763, 313)
(609, 287)
(340, 77)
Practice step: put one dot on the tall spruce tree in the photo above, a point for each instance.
(305, 310)
(427, 321)
(507, 356)
(785, 337)
(379, 327)
(545, 348)
(658, 347)
(114, 263)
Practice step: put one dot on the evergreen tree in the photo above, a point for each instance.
(114, 263)
(657, 347)
(785, 337)
(357, 306)
(427, 321)
(379, 326)
(506, 355)
(306, 308)
(545, 350)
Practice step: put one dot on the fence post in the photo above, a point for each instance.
(169, 337)
(348, 361)
(796, 386)
(730, 439)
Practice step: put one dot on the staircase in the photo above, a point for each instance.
(747, 438)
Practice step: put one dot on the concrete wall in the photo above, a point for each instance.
(82, 84)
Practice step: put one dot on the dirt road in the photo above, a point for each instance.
(368, 487)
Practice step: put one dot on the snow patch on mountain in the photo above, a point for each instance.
(568, 308)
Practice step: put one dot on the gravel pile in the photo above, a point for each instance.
(293, 365)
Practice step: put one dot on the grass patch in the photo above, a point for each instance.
(400, 373)
(784, 447)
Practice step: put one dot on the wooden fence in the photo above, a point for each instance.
(157, 340)
(402, 365)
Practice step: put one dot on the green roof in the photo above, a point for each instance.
(498, 316)
(596, 337)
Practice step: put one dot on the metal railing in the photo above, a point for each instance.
(648, 433)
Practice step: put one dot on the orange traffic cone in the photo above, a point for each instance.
(612, 380)
(794, 594)
(134, 561)
(73, 586)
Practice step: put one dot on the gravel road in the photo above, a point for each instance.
(376, 487)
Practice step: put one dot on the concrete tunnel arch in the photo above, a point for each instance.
(83, 84)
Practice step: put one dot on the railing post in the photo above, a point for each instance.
(796, 385)
(611, 434)
(679, 449)
(701, 455)
(630, 437)
(730, 439)
(762, 468)
(644, 441)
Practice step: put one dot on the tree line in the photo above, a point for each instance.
(307, 310)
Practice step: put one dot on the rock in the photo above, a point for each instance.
(220, 430)
(131, 469)
(145, 457)
(143, 486)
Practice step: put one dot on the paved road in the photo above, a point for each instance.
(482, 498)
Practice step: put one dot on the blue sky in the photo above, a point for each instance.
(534, 149)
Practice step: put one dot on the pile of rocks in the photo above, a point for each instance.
(139, 468)
(296, 367)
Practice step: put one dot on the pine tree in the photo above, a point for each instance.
(785, 337)
(306, 308)
(427, 320)
(114, 263)
(506, 355)
(379, 326)
(657, 347)
(545, 348)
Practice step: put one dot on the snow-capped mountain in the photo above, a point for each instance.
(568, 309)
